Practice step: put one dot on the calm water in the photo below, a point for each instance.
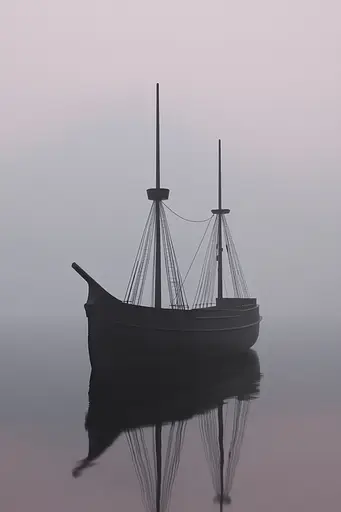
(290, 457)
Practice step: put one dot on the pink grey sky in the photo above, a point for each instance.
(77, 141)
(240, 60)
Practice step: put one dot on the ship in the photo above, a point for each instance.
(214, 319)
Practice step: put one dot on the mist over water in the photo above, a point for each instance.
(291, 437)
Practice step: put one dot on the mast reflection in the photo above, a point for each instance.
(150, 401)
(213, 427)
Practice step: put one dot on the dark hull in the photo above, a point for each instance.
(232, 325)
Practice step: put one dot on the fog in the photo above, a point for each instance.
(77, 143)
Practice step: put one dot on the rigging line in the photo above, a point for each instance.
(209, 282)
(143, 267)
(196, 253)
(166, 481)
(145, 270)
(183, 218)
(225, 288)
(200, 292)
(141, 467)
(170, 262)
(175, 443)
(238, 431)
(145, 466)
(233, 264)
(166, 254)
(136, 261)
(238, 268)
(179, 441)
(209, 435)
(243, 407)
(179, 300)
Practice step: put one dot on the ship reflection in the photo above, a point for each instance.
(150, 402)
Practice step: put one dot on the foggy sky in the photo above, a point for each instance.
(77, 143)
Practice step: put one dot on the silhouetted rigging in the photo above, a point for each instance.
(211, 280)
(222, 462)
(156, 468)
(157, 234)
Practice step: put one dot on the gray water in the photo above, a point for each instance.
(290, 457)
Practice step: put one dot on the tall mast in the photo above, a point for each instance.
(220, 245)
(158, 453)
(157, 284)
(157, 195)
(157, 145)
(153, 230)
(221, 455)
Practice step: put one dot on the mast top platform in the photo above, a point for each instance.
(220, 211)
(158, 194)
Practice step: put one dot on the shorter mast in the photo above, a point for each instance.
(220, 212)
(210, 288)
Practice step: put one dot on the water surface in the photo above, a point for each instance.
(290, 458)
